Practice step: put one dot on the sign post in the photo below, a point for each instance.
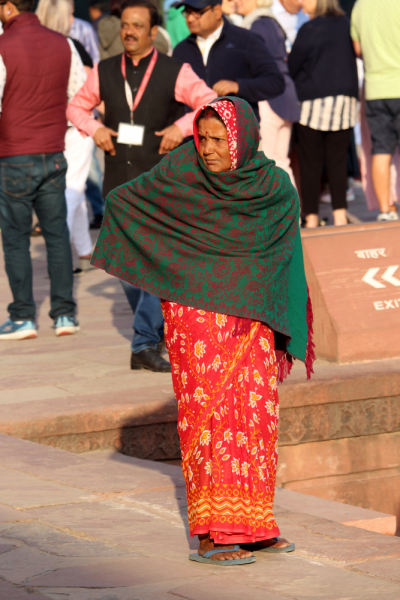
(353, 273)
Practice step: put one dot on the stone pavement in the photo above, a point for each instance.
(93, 363)
(103, 526)
(109, 527)
(339, 433)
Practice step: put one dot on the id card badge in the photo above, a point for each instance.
(130, 134)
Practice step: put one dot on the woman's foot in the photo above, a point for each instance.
(274, 543)
(340, 217)
(312, 221)
(206, 545)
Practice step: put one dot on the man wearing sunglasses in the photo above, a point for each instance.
(231, 60)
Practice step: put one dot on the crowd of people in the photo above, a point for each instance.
(132, 87)
(211, 129)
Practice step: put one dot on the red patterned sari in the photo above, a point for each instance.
(225, 380)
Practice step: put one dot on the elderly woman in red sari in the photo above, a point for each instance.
(213, 230)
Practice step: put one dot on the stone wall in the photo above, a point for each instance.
(340, 439)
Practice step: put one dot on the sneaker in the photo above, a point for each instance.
(66, 326)
(84, 265)
(325, 198)
(17, 330)
(388, 216)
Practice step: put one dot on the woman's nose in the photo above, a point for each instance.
(208, 147)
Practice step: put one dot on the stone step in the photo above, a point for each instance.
(359, 399)
(106, 526)
(296, 502)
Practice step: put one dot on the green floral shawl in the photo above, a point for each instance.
(225, 242)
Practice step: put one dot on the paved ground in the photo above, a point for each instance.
(97, 359)
(108, 527)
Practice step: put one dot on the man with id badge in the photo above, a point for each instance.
(144, 93)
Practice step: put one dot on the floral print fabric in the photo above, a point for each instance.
(226, 386)
(226, 242)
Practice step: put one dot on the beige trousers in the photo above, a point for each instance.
(275, 137)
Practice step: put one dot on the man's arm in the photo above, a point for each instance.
(265, 81)
(79, 112)
(354, 32)
(190, 90)
(93, 44)
(80, 108)
(3, 76)
(357, 48)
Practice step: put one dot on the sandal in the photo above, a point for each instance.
(289, 548)
(255, 547)
(222, 563)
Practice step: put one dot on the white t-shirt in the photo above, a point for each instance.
(205, 44)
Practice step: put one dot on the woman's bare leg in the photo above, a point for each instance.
(311, 221)
(339, 216)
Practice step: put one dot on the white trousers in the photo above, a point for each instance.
(78, 153)
(275, 137)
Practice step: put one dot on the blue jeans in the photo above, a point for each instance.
(93, 187)
(27, 182)
(148, 323)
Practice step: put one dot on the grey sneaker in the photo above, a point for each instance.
(66, 326)
(388, 216)
(17, 330)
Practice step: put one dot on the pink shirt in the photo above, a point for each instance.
(189, 89)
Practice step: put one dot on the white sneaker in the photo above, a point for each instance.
(325, 197)
(388, 216)
(66, 326)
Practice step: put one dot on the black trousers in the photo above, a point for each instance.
(316, 148)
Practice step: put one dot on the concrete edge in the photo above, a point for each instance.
(346, 514)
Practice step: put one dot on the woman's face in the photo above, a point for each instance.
(213, 145)
(308, 6)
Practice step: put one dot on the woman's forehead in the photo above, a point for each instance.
(211, 125)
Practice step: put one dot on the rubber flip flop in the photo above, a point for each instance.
(222, 563)
(273, 550)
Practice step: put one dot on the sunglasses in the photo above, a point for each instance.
(196, 14)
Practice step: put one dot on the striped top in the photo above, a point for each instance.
(332, 113)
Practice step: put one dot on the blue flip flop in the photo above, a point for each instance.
(273, 550)
(222, 563)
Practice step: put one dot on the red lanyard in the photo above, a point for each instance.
(128, 92)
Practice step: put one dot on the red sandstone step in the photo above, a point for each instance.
(156, 404)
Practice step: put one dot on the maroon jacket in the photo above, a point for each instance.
(34, 104)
